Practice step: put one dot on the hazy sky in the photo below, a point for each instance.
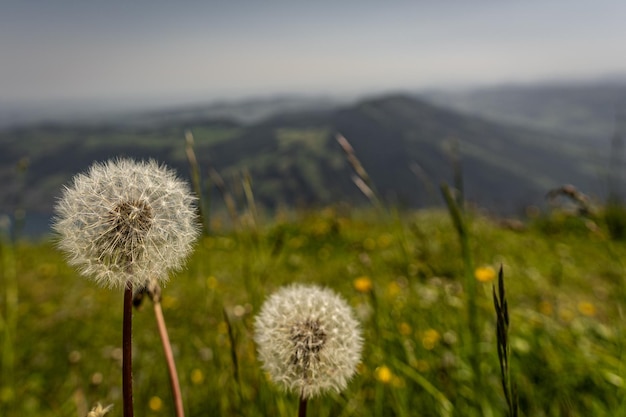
(208, 50)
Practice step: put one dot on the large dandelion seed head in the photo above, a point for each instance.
(308, 340)
(126, 222)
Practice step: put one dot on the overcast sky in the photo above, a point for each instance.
(209, 50)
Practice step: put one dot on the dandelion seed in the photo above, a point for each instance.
(126, 222)
(99, 411)
(308, 340)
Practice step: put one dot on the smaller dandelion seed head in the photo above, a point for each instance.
(126, 222)
(308, 340)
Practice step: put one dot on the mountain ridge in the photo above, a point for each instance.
(407, 146)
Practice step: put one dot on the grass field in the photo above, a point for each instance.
(402, 273)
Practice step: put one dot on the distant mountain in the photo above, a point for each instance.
(143, 112)
(591, 110)
(405, 144)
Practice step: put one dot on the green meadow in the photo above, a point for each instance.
(405, 275)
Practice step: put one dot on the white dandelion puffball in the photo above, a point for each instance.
(126, 222)
(308, 339)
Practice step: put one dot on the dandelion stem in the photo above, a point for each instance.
(127, 352)
(169, 357)
(302, 407)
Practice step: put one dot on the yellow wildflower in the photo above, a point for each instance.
(587, 309)
(296, 242)
(398, 382)
(393, 289)
(384, 374)
(566, 314)
(369, 244)
(169, 302)
(222, 327)
(545, 307)
(197, 377)
(321, 228)
(155, 403)
(404, 328)
(430, 338)
(485, 273)
(385, 240)
(423, 366)
(363, 284)
(211, 282)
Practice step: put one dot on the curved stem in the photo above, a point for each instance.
(127, 352)
(169, 357)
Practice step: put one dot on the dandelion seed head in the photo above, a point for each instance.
(126, 222)
(308, 340)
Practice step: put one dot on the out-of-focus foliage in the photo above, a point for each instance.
(403, 275)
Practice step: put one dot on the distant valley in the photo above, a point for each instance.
(406, 143)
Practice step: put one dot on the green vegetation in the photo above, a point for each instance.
(420, 282)
(404, 275)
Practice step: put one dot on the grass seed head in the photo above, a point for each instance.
(308, 340)
(126, 222)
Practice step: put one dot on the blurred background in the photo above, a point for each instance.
(530, 95)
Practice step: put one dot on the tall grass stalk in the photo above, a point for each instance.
(504, 351)
(231, 207)
(246, 183)
(233, 346)
(196, 181)
(446, 408)
(360, 178)
(460, 225)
